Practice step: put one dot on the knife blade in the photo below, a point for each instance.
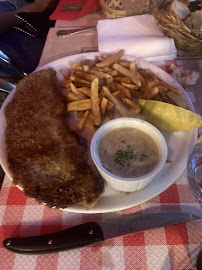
(94, 232)
(66, 32)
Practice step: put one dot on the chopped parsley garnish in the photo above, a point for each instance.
(123, 157)
(143, 157)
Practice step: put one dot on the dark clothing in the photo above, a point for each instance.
(23, 49)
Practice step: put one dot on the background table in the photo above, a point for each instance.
(169, 248)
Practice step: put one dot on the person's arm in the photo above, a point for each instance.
(8, 19)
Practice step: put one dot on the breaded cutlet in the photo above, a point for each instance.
(45, 157)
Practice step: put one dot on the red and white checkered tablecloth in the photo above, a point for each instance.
(167, 248)
(173, 247)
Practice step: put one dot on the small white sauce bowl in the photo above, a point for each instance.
(121, 183)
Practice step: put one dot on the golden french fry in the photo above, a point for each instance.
(79, 80)
(88, 62)
(102, 94)
(110, 105)
(86, 68)
(135, 107)
(100, 58)
(105, 69)
(85, 75)
(113, 73)
(83, 121)
(129, 102)
(73, 96)
(165, 98)
(124, 63)
(81, 85)
(144, 74)
(125, 101)
(130, 86)
(96, 68)
(162, 88)
(65, 83)
(177, 101)
(116, 93)
(105, 56)
(80, 113)
(154, 91)
(161, 82)
(171, 88)
(140, 77)
(91, 116)
(76, 91)
(79, 105)
(72, 72)
(113, 87)
(103, 106)
(112, 59)
(101, 75)
(127, 73)
(136, 93)
(85, 91)
(65, 74)
(95, 102)
(89, 124)
(110, 114)
(76, 66)
(133, 67)
(124, 89)
(118, 106)
(147, 89)
(122, 79)
(121, 93)
(154, 76)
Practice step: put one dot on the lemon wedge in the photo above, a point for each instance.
(169, 118)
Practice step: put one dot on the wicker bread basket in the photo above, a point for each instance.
(174, 26)
(124, 8)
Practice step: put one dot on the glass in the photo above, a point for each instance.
(194, 169)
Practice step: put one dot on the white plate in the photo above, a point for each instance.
(179, 147)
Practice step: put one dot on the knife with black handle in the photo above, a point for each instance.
(94, 232)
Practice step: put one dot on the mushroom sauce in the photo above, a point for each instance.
(128, 152)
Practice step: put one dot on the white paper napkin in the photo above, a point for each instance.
(139, 36)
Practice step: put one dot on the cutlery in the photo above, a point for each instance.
(9, 61)
(5, 86)
(4, 90)
(95, 232)
(66, 32)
